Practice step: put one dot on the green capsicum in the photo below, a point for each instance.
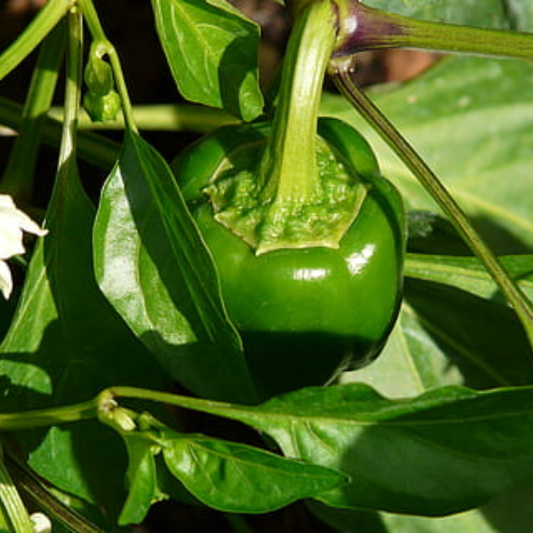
(307, 238)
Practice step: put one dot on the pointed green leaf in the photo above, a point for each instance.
(153, 267)
(64, 345)
(467, 273)
(242, 479)
(141, 476)
(446, 451)
(211, 49)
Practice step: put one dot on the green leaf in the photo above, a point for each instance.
(471, 120)
(450, 343)
(153, 267)
(446, 451)
(520, 14)
(467, 273)
(143, 489)
(211, 49)
(411, 362)
(489, 13)
(238, 478)
(64, 345)
(348, 521)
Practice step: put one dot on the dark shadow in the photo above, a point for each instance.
(431, 233)
(96, 450)
(483, 338)
(392, 465)
(232, 73)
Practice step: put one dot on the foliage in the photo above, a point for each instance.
(120, 302)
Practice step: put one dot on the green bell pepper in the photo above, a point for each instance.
(307, 238)
(304, 314)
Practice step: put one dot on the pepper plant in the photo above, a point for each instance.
(346, 272)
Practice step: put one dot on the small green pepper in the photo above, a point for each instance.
(307, 238)
(304, 314)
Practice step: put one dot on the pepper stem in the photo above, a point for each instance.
(341, 70)
(366, 28)
(299, 192)
(288, 169)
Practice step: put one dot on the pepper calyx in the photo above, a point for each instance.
(321, 219)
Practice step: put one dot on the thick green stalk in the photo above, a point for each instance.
(11, 507)
(365, 28)
(342, 74)
(19, 174)
(94, 148)
(51, 13)
(48, 417)
(67, 149)
(288, 168)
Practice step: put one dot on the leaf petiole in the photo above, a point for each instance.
(341, 71)
(366, 28)
(104, 47)
(47, 18)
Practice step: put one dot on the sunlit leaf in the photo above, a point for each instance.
(64, 345)
(448, 450)
(471, 119)
(242, 479)
(211, 49)
(153, 267)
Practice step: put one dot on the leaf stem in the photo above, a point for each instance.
(67, 149)
(288, 168)
(94, 148)
(50, 14)
(11, 506)
(19, 175)
(366, 28)
(50, 416)
(105, 47)
(35, 490)
(341, 71)
(163, 117)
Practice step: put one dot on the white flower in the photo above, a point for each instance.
(13, 223)
(41, 523)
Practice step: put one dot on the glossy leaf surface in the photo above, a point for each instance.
(445, 451)
(141, 475)
(153, 267)
(488, 13)
(241, 479)
(64, 344)
(211, 49)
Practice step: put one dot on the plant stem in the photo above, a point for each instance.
(162, 117)
(11, 506)
(67, 149)
(105, 47)
(288, 169)
(50, 14)
(33, 488)
(49, 417)
(341, 71)
(187, 402)
(19, 174)
(365, 28)
(94, 148)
